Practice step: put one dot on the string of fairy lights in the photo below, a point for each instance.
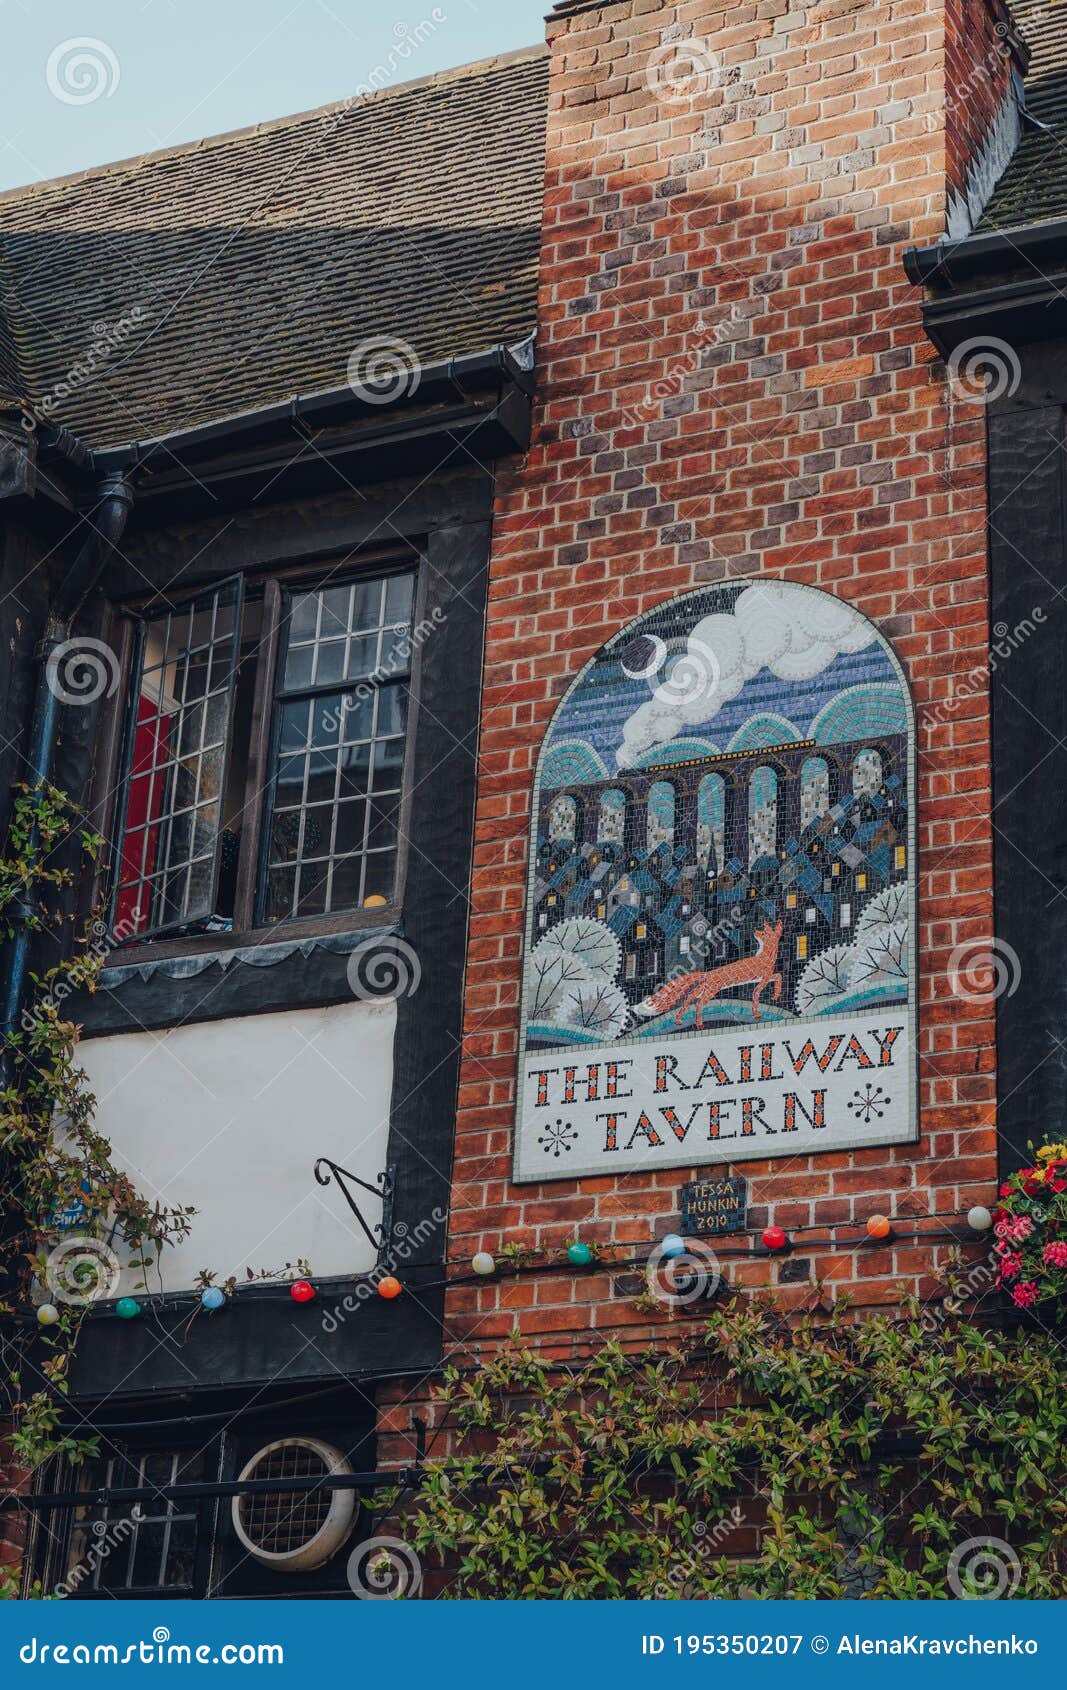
(677, 1253)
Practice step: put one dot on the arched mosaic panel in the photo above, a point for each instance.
(562, 820)
(660, 830)
(867, 772)
(711, 823)
(719, 955)
(762, 814)
(814, 790)
(612, 817)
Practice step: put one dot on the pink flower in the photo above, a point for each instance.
(1055, 1255)
(1015, 1231)
(1024, 1295)
(1010, 1267)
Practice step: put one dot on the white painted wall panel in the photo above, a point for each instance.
(229, 1116)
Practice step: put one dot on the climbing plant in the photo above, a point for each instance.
(912, 1454)
(53, 1158)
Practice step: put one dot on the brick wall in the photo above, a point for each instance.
(733, 382)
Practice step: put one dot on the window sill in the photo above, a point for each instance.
(261, 947)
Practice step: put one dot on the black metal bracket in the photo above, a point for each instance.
(380, 1236)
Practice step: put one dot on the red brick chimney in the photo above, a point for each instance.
(733, 381)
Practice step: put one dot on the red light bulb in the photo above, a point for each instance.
(301, 1291)
(389, 1287)
(774, 1238)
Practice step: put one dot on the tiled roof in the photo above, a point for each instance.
(1033, 189)
(177, 288)
(9, 373)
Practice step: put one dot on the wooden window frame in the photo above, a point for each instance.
(137, 668)
(107, 802)
(50, 1545)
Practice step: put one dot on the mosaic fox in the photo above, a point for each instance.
(689, 990)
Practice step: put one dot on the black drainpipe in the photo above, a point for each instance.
(107, 522)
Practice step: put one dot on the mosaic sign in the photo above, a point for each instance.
(719, 961)
(710, 1206)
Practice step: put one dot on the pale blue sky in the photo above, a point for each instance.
(84, 82)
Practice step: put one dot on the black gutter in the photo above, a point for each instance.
(67, 446)
(949, 262)
(449, 374)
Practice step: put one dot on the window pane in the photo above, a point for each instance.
(383, 822)
(363, 655)
(299, 665)
(326, 717)
(178, 743)
(190, 731)
(294, 726)
(336, 612)
(158, 1470)
(281, 885)
(351, 829)
(392, 710)
(201, 874)
(358, 721)
(338, 633)
(148, 1554)
(355, 769)
(290, 785)
(367, 605)
(322, 778)
(335, 748)
(285, 836)
(314, 886)
(318, 820)
(345, 890)
(303, 617)
(180, 1555)
(380, 878)
(398, 598)
(388, 762)
(331, 662)
(123, 1549)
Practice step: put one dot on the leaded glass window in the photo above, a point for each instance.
(341, 723)
(261, 774)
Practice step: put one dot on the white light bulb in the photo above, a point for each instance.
(979, 1219)
(483, 1262)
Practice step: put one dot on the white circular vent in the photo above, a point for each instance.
(294, 1531)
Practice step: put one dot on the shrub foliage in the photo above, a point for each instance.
(830, 1457)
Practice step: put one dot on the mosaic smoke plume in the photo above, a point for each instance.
(791, 632)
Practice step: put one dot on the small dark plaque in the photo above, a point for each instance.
(714, 1205)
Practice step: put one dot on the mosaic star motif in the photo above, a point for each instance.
(557, 1137)
(869, 1102)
